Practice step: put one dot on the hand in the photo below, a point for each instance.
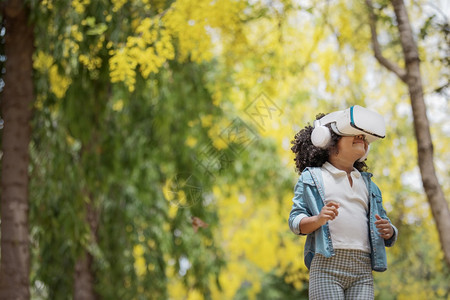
(328, 213)
(384, 227)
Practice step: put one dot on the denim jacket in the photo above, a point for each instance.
(308, 201)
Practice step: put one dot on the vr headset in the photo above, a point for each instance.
(353, 121)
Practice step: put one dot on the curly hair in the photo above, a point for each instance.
(308, 155)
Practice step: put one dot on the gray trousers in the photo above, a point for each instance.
(347, 275)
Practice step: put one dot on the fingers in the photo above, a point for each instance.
(386, 233)
(330, 211)
(381, 222)
(384, 227)
(332, 204)
(330, 214)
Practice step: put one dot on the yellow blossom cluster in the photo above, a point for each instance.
(118, 105)
(92, 60)
(117, 4)
(58, 83)
(44, 64)
(194, 25)
(75, 33)
(122, 67)
(149, 48)
(80, 5)
(70, 48)
(139, 260)
(190, 27)
(42, 61)
(91, 63)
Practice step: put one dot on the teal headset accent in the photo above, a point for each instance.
(352, 122)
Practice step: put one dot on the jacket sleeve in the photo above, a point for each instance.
(390, 242)
(382, 212)
(299, 209)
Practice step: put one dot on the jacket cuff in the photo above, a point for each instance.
(296, 224)
(390, 242)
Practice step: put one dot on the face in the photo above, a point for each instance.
(352, 147)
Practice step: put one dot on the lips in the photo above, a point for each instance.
(358, 139)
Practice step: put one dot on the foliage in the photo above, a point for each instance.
(137, 98)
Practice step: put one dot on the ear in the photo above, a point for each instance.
(365, 155)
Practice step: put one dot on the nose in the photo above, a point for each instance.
(361, 137)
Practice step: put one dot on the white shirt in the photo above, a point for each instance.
(349, 230)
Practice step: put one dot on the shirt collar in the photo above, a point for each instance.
(335, 171)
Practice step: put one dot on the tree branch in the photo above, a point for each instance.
(401, 73)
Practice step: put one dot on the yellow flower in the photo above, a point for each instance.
(118, 105)
(58, 83)
(80, 5)
(191, 141)
(122, 68)
(42, 62)
(140, 265)
(117, 4)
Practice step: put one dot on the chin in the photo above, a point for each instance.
(359, 156)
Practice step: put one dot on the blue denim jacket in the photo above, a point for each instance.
(308, 201)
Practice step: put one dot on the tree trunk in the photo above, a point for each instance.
(84, 276)
(16, 104)
(84, 280)
(412, 77)
(435, 195)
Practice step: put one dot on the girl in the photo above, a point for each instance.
(340, 210)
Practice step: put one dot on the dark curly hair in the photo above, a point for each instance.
(308, 155)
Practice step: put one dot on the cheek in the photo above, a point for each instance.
(345, 142)
(341, 146)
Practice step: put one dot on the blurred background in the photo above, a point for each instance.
(146, 144)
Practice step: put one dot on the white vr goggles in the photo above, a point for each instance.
(353, 121)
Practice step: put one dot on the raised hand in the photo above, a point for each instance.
(384, 227)
(328, 213)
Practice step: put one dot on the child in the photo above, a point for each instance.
(338, 207)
